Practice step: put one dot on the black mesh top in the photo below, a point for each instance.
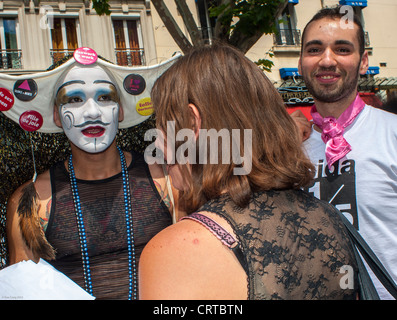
(104, 220)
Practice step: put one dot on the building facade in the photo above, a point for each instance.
(34, 33)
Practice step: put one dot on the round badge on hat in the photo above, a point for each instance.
(31, 120)
(134, 84)
(85, 55)
(6, 99)
(25, 90)
(144, 107)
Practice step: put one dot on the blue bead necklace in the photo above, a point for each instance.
(132, 270)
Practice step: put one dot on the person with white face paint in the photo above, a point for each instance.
(88, 109)
(99, 207)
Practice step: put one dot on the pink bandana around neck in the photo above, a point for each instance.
(336, 147)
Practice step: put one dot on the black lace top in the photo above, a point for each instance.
(294, 245)
(104, 220)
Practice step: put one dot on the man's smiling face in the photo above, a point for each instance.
(330, 62)
(88, 106)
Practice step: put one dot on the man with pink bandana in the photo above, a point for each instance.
(352, 145)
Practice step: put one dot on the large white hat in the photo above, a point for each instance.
(29, 99)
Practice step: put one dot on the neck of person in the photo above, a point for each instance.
(96, 166)
(334, 109)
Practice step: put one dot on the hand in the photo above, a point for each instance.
(304, 125)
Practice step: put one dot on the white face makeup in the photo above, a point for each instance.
(88, 105)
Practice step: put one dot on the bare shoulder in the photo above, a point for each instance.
(42, 186)
(43, 189)
(168, 243)
(186, 261)
(18, 249)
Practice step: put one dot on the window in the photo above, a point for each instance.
(127, 38)
(287, 34)
(64, 37)
(9, 47)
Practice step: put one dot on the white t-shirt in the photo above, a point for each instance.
(363, 185)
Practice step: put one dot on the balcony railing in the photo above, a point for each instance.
(59, 54)
(287, 37)
(11, 59)
(124, 57)
(130, 57)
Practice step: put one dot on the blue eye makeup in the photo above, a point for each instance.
(107, 94)
(65, 96)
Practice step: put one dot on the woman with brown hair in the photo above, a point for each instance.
(251, 233)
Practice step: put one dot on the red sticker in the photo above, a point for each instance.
(6, 99)
(85, 55)
(31, 120)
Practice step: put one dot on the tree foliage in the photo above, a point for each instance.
(242, 23)
(101, 7)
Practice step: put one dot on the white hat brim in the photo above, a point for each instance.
(46, 82)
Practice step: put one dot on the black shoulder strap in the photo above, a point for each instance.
(370, 257)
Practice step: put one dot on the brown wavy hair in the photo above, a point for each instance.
(231, 92)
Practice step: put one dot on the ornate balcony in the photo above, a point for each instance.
(287, 37)
(11, 59)
(59, 54)
(130, 57)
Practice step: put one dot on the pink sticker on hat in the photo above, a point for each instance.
(6, 99)
(31, 120)
(85, 55)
